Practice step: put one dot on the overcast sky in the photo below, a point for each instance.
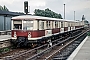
(81, 7)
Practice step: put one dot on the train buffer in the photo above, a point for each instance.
(82, 52)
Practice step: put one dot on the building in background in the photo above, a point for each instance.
(5, 19)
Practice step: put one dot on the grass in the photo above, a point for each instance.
(4, 50)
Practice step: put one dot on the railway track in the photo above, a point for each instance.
(54, 50)
(41, 53)
(64, 54)
(20, 52)
(13, 52)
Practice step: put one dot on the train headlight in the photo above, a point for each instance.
(15, 34)
(29, 35)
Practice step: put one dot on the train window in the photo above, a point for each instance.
(17, 24)
(72, 24)
(42, 25)
(38, 24)
(61, 24)
(56, 24)
(48, 24)
(27, 25)
(52, 24)
(68, 24)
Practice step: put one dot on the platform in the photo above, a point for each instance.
(82, 52)
(5, 37)
(5, 41)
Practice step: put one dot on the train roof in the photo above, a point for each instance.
(32, 17)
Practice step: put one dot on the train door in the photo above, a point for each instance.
(62, 27)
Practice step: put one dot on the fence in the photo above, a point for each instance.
(8, 32)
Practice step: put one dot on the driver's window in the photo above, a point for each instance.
(17, 24)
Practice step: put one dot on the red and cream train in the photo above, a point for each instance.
(29, 30)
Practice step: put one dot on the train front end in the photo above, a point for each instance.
(21, 32)
(19, 38)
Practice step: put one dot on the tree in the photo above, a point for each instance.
(83, 18)
(1, 8)
(4, 8)
(47, 13)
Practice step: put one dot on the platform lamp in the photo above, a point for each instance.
(74, 15)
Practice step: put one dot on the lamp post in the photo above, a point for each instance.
(29, 9)
(74, 15)
(64, 11)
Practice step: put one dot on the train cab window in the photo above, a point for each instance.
(17, 24)
(27, 25)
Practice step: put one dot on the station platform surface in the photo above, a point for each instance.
(82, 52)
(5, 37)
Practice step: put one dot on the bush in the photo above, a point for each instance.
(6, 49)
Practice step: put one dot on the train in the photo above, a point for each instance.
(29, 30)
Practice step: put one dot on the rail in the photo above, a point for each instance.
(63, 47)
(25, 52)
(39, 54)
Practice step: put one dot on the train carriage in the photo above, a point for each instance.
(30, 30)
